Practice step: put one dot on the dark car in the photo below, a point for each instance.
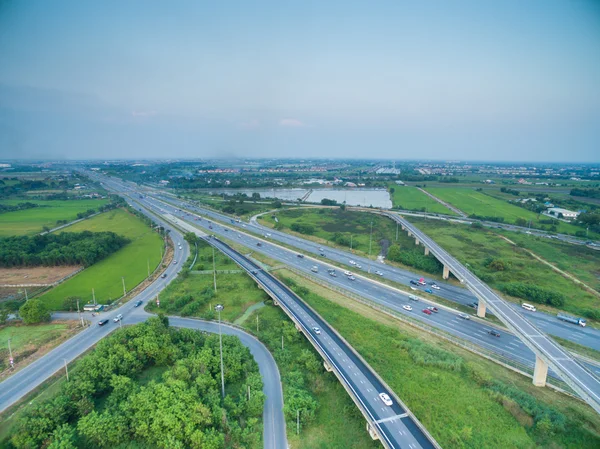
(413, 282)
(164, 275)
(494, 333)
(102, 322)
(259, 244)
(138, 303)
(322, 254)
(301, 256)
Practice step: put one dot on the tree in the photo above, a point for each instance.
(63, 437)
(520, 221)
(34, 311)
(255, 196)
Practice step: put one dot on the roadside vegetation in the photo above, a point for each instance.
(47, 214)
(512, 270)
(463, 400)
(151, 385)
(106, 277)
(239, 205)
(411, 198)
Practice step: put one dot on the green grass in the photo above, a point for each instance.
(104, 277)
(31, 221)
(473, 246)
(205, 259)
(471, 201)
(452, 392)
(411, 198)
(22, 336)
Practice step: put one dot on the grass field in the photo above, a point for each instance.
(31, 221)
(130, 262)
(471, 201)
(474, 246)
(411, 198)
(205, 259)
(463, 400)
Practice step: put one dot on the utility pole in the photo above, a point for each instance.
(350, 242)
(397, 224)
(257, 323)
(79, 314)
(26, 298)
(124, 291)
(370, 238)
(248, 392)
(297, 422)
(94, 296)
(11, 360)
(214, 270)
(282, 342)
(148, 262)
(218, 308)
(66, 369)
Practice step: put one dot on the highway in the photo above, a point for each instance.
(573, 373)
(473, 331)
(589, 337)
(30, 377)
(395, 425)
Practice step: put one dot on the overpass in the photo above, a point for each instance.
(548, 353)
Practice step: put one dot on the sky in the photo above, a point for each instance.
(471, 80)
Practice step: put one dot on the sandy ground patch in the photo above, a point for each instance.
(35, 275)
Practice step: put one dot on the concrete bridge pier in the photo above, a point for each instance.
(426, 251)
(417, 242)
(372, 433)
(446, 273)
(298, 328)
(327, 366)
(409, 234)
(540, 372)
(275, 302)
(481, 308)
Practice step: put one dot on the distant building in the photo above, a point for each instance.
(400, 183)
(163, 182)
(565, 212)
(350, 184)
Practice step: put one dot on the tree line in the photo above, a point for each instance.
(67, 248)
(15, 207)
(104, 404)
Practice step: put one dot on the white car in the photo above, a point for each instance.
(118, 318)
(435, 287)
(351, 262)
(379, 273)
(407, 307)
(316, 330)
(174, 262)
(358, 266)
(412, 288)
(386, 399)
(347, 273)
(320, 249)
(352, 278)
(464, 316)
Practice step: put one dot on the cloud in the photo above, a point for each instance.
(143, 113)
(291, 123)
(250, 124)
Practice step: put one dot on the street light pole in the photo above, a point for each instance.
(370, 238)
(66, 369)
(214, 270)
(397, 224)
(218, 308)
(124, 291)
(11, 360)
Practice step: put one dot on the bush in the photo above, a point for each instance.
(533, 293)
(303, 228)
(34, 312)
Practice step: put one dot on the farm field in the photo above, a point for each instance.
(411, 198)
(104, 277)
(471, 201)
(477, 247)
(447, 387)
(31, 221)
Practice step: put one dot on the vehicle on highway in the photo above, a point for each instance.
(351, 262)
(314, 269)
(386, 399)
(210, 227)
(138, 303)
(259, 244)
(474, 305)
(316, 330)
(352, 278)
(413, 298)
(102, 322)
(164, 275)
(435, 286)
(174, 262)
(571, 319)
(427, 311)
(358, 266)
(347, 273)
(407, 307)
(301, 256)
(464, 316)
(433, 309)
(428, 290)
(528, 307)
(321, 249)
(412, 288)
(379, 273)
(494, 333)
(268, 234)
(413, 282)
(322, 254)
(243, 226)
(422, 281)
(332, 274)
(118, 318)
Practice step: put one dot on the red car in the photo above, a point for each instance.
(427, 311)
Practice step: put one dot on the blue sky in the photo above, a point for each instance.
(508, 80)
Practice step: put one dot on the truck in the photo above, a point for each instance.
(571, 319)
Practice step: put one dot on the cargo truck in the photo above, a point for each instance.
(570, 319)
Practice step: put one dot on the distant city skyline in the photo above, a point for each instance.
(465, 80)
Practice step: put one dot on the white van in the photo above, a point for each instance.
(528, 307)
